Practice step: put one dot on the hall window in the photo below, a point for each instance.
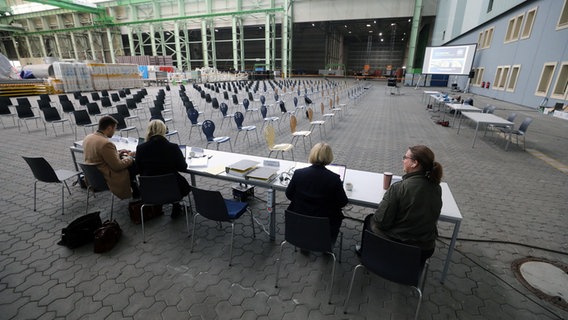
(512, 84)
(560, 90)
(501, 77)
(529, 22)
(563, 19)
(545, 79)
(514, 28)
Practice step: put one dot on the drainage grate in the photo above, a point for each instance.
(547, 279)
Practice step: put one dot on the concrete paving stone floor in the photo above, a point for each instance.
(513, 205)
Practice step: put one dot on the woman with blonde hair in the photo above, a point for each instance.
(317, 191)
(158, 156)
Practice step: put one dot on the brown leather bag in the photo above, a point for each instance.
(107, 236)
(150, 212)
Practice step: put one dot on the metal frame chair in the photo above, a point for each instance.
(44, 172)
(26, 113)
(239, 119)
(160, 190)
(208, 128)
(51, 115)
(297, 134)
(6, 112)
(193, 115)
(279, 148)
(308, 233)
(95, 182)
(521, 131)
(121, 125)
(82, 119)
(212, 206)
(393, 261)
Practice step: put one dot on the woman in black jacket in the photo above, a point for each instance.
(316, 191)
(158, 156)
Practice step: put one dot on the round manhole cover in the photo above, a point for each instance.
(547, 279)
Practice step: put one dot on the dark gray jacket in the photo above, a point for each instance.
(409, 211)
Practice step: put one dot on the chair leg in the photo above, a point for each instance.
(231, 247)
(186, 216)
(419, 303)
(142, 221)
(278, 262)
(193, 233)
(332, 278)
(35, 194)
(350, 288)
(62, 199)
(88, 193)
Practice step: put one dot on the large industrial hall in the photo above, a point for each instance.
(283, 159)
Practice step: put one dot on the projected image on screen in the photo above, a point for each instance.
(454, 60)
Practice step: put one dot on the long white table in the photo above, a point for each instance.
(459, 108)
(487, 119)
(367, 186)
(367, 190)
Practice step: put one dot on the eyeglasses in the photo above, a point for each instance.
(405, 157)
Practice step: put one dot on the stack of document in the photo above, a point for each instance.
(242, 167)
(263, 173)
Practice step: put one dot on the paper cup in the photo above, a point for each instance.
(387, 179)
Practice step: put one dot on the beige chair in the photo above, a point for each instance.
(297, 134)
(330, 115)
(279, 148)
(338, 107)
(314, 123)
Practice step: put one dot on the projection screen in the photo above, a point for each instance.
(452, 60)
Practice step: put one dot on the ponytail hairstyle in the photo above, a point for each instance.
(425, 158)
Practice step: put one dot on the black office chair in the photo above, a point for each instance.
(82, 119)
(393, 261)
(208, 128)
(6, 112)
(44, 172)
(160, 190)
(212, 205)
(308, 233)
(121, 125)
(239, 119)
(26, 113)
(51, 115)
(95, 183)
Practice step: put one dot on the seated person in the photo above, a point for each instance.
(158, 156)
(117, 168)
(316, 191)
(410, 208)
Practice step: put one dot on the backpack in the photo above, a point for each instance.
(81, 230)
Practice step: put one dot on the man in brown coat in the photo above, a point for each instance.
(114, 166)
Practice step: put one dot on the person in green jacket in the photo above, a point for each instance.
(410, 208)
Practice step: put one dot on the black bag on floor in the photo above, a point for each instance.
(81, 230)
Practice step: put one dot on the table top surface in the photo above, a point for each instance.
(367, 186)
(486, 118)
(463, 107)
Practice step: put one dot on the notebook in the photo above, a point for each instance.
(197, 162)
